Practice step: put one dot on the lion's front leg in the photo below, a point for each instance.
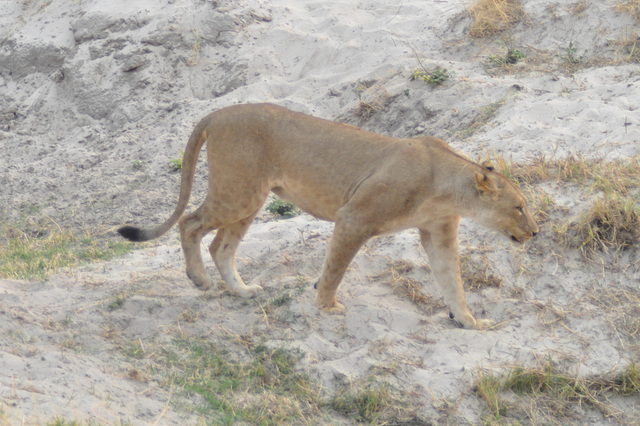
(343, 247)
(440, 241)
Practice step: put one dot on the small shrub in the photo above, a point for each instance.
(116, 302)
(177, 163)
(372, 97)
(570, 57)
(511, 57)
(434, 77)
(282, 208)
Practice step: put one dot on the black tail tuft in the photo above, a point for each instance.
(131, 233)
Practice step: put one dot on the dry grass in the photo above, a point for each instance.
(367, 109)
(611, 177)
(478, 275)
(632, 7)
(611, 224)
(483, 117)
(373, 97)
(622, 311)
(629, 47)
(578, 7)
(196, 47)
(407, 287)
(491, 17)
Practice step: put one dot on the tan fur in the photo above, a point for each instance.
(368, 184)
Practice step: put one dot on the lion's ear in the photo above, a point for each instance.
(487, 165)
(486, 186)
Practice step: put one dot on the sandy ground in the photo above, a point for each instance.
(97, 97)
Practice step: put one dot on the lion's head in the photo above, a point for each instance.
(504, 208)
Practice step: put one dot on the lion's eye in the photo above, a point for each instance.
(520, 209)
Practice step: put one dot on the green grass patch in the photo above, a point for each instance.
(258, 385)
(374, 402)
(36, 251)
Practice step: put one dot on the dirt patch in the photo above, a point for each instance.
(97, 99)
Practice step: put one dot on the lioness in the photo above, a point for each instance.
(368, 184)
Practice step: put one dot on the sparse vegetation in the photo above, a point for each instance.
(32, 251)
(282, 208)
(546, 394)
(492, 17)
(434, 77)
(484, 115)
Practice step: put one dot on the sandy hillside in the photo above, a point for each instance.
(98, 97)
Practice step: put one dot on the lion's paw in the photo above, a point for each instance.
(249, 292)
(201, 283)
(471, 323)
(484, 324)
(332, 308)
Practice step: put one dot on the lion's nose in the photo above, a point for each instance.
(534, 234)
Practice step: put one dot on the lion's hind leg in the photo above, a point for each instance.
(192, 228)
(223, 251)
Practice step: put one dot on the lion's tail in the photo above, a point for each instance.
(189, 162)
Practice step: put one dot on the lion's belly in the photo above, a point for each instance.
(316, 201)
